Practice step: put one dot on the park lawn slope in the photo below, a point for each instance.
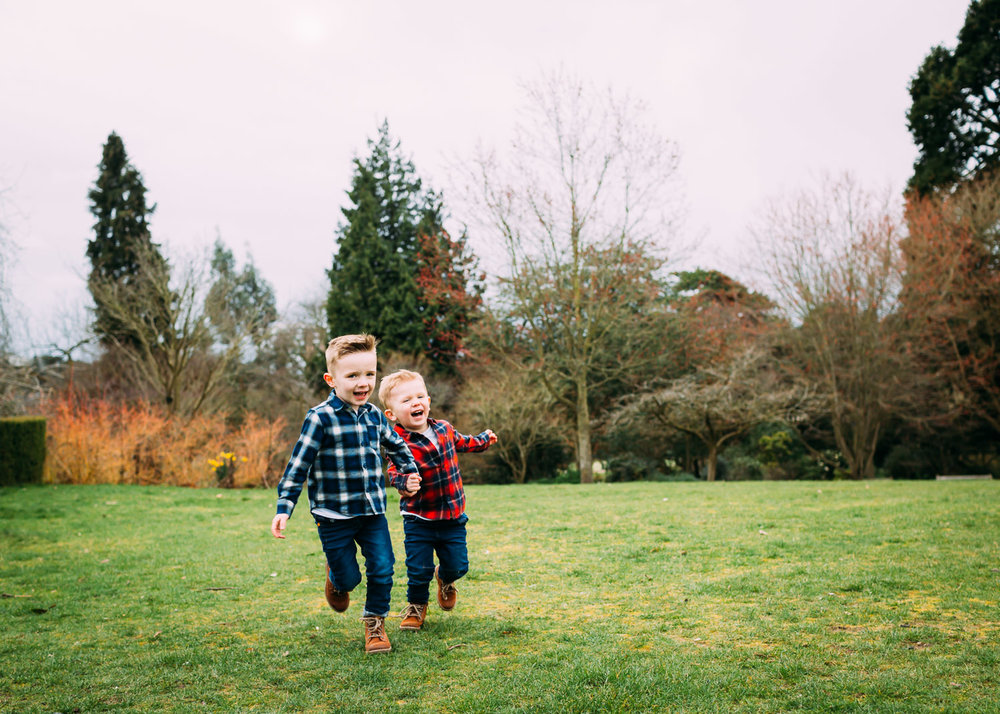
(735, 597)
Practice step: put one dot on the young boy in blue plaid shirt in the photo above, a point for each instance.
(337, 454)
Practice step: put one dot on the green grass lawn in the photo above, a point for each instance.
(729, 597)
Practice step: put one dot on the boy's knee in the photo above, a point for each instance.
(420, 572)
(380, 567)
(345, 581)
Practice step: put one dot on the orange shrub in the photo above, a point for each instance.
(94, 441)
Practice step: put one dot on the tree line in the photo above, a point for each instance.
(872, 346)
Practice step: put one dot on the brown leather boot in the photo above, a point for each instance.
(413, 616)
(375, 638)
(335, 598)
(447, 593)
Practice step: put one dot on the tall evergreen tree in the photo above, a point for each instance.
(375, 278)
(955, 115)
(122, 251)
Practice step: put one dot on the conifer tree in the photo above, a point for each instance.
(374, 281)
(955, 115)
(122, 251)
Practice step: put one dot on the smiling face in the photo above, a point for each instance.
(353, 377)
(409, 404)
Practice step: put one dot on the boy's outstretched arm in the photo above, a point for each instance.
(479, 442)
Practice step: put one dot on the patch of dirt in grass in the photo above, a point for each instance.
(921, 602)
(755, 645)
(851, 628)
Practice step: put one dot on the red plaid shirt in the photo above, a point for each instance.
(441, 496)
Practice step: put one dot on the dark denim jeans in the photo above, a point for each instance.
(421, 539)
(371, 534)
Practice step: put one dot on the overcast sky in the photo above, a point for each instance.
(243, 117)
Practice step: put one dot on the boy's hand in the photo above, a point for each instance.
(492, 436)
(412, 485)
(278, 525)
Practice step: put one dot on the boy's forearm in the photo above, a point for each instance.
(289, 490)
(472, 444)
(396, 479)
(400, 456)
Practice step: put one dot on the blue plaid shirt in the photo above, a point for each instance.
(338, 454)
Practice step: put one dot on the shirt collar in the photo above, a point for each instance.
(339, 404)
(403, 431)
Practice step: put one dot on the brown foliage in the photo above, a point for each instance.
(451, 289)
(951, 296)
(96, 441)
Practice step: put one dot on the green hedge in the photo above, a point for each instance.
(22, 450)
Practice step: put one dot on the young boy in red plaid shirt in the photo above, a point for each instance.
(433, 506)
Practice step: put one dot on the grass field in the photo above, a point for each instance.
(728, 597)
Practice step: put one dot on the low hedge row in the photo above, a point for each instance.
(22, 450)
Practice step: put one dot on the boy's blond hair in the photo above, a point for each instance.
(391, 381)
(347, 345)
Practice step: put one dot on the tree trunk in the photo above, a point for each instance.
(712, 461)
(584, 455)
(521, 472)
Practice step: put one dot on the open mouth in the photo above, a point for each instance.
(417, 413)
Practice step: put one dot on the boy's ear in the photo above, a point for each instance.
(389, 415)
(328, 378)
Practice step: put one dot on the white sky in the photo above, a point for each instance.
(244, 116)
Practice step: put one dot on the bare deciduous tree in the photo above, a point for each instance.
(720, 402)
(584, 206)
(170, 352)
(519, 410)
(832, 255)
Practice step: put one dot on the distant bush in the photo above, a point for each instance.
(745, 468)
(22, 450)
(907, 462)
(677, 476)
(95, 441)
(631, 467)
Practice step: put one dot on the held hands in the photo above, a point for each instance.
(278, 525)
(492, 436)
(411, 486)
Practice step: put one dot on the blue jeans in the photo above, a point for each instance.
(371, 533)
(421, 539)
